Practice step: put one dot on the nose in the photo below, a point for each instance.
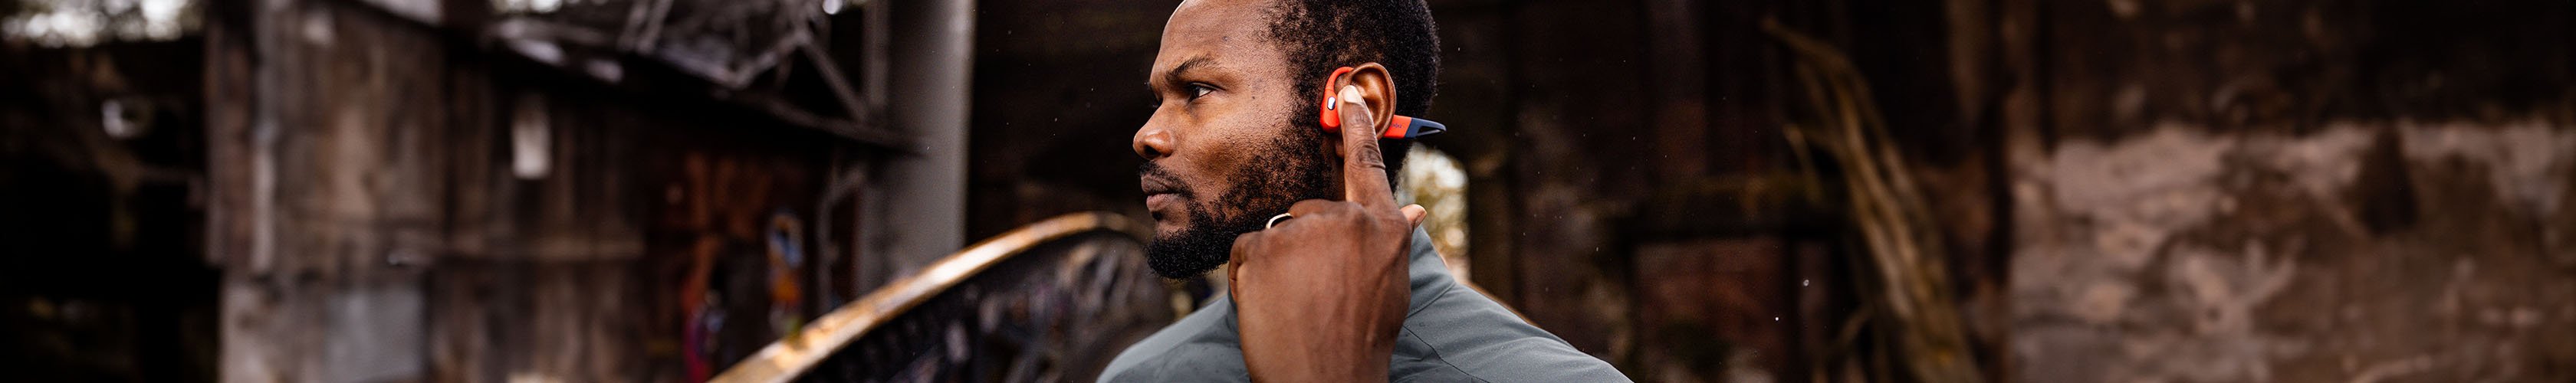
(1152, 141)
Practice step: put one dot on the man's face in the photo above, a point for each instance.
(1220, 154)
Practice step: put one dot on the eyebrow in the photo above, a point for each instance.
(1182, 71)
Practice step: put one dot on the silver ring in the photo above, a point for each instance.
(1274, 220)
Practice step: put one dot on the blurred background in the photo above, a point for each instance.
(1719, 191)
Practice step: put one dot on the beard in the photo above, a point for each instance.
(1294, 169)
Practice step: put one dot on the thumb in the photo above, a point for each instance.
(1413, 214)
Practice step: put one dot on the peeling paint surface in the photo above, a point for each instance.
(2359, 252)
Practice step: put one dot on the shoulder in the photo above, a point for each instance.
(1478, 337)
(1200, 347)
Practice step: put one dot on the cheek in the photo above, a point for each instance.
(1217, 165)
(1235, 141)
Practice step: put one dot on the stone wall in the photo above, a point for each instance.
(2223, 191)
(2361, 251)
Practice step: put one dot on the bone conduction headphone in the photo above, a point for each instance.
(1397, 127)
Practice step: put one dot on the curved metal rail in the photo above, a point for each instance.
(796, 356)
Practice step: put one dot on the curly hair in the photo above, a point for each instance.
(1321, 35)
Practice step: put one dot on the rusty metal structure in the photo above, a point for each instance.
(1041, 303)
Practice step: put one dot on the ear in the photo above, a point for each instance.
(1377, 88)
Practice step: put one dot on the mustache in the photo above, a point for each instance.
(1154, 177)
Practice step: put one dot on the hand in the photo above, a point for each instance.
(1320, 297)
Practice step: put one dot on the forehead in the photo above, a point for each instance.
(1231, 34)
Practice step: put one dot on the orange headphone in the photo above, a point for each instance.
(1398, 127)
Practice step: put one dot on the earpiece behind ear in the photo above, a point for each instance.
(1396, 127)
(1332, 118)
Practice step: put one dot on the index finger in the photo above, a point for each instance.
(1363, 164)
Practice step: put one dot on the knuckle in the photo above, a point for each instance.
(1368, 159)
(1368, 152)
(1360, 139)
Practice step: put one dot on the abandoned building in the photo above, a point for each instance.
(942, 190)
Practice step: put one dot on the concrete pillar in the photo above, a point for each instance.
(928, 84)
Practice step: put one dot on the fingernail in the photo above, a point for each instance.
(1351, 93)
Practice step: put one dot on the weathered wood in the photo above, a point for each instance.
(395, 205)
(342, 200)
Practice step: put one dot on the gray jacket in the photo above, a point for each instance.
(1451, 334)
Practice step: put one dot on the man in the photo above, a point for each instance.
(1343, 287)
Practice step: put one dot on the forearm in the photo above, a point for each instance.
(1329, 330)
(1315, 363)
(1318, 350)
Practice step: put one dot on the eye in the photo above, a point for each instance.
(1200, 90)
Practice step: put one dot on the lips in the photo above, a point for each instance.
(1164, 193)
(1154, 185)
(1160, 191)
